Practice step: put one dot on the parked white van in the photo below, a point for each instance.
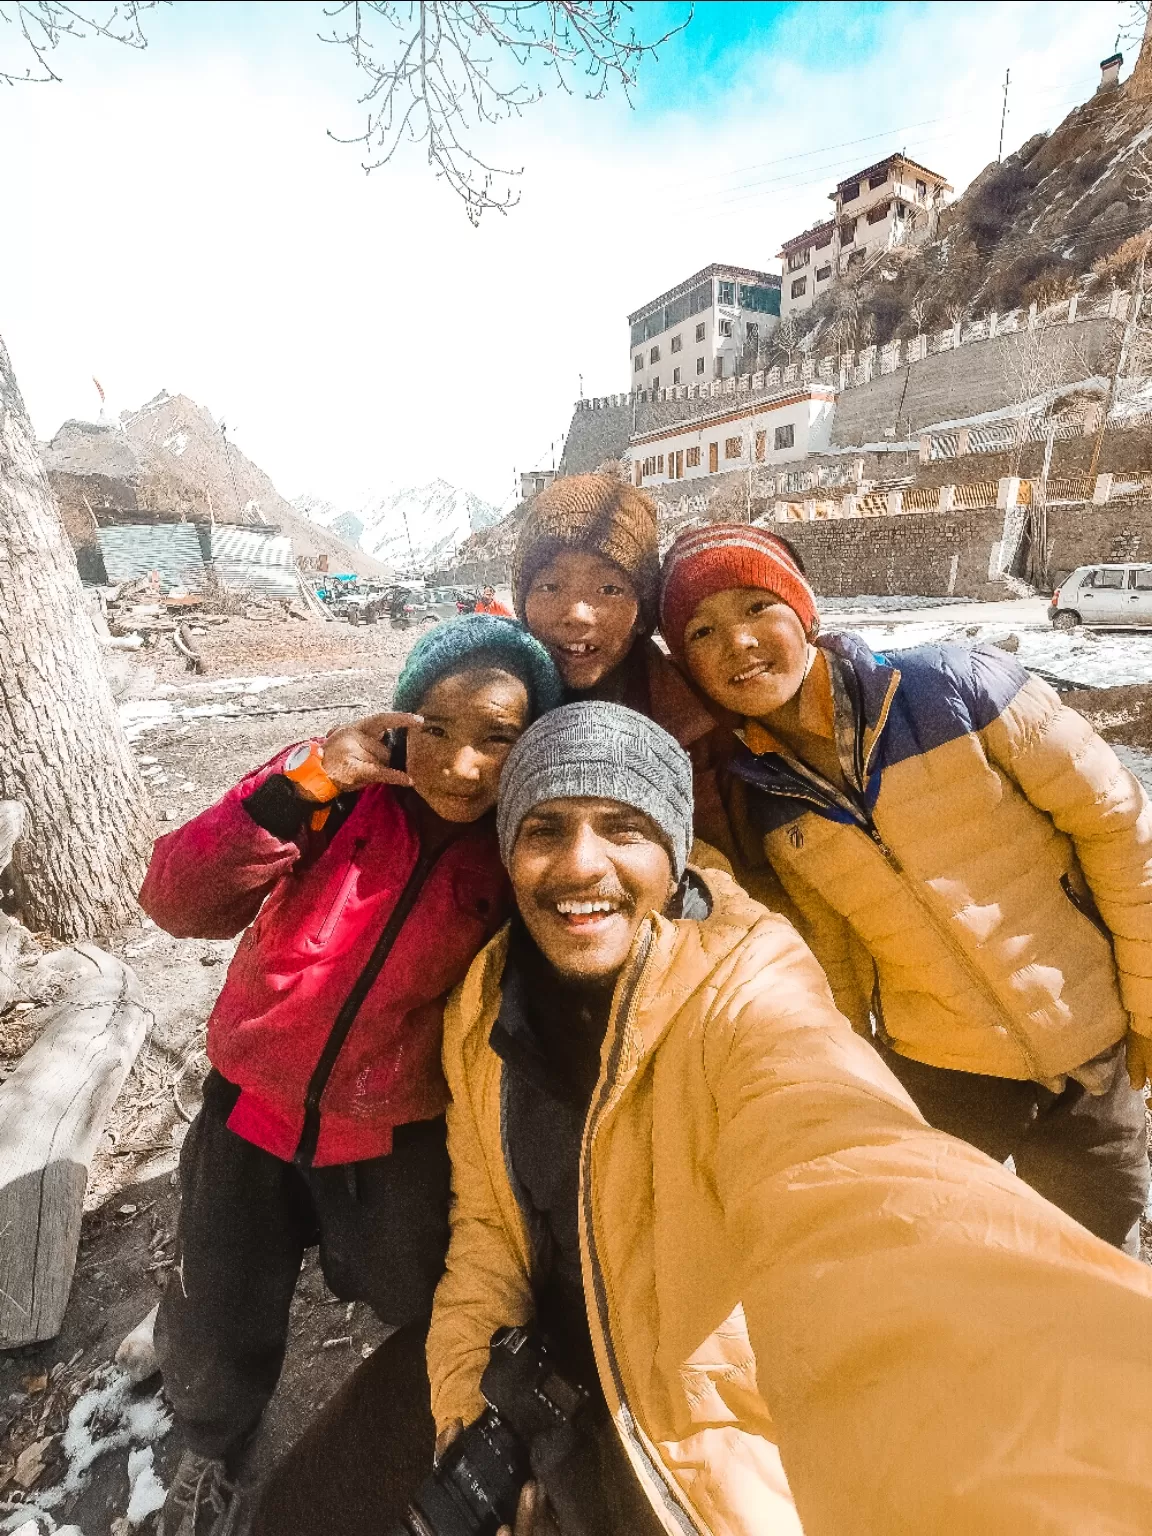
(1103, 594)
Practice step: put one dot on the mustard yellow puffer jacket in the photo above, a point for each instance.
(989, 895)
(778, 1252)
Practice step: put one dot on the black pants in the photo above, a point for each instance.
(358, 1464)
(246, 1219)
(1087, 1154)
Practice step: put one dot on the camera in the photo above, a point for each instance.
(476, 1485)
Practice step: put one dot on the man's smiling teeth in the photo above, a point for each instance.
(749, 672)
(582, 649)
(584, 908)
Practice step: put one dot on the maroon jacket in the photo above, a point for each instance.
(331, 1015)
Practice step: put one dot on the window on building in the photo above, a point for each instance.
(877, 181)
(699, 365)
(677, 343)
(725, 327)
(799, 287)
(718, 367)
(692, 458)
(757, 296)
(659, 463)
(921, 191)
(733, 447)
(850, 194)
(823, 274)
(700, 331)
(847, 232)
(713, 458)
(654, 355)
(901, 210)
(725, 293)
(824, 241)
(638, 363)
(798, 259)
(656, 382)
(856, 257)
(761, 439)
(879, 213)
(785, 437)
(751, 332)
(675, 375)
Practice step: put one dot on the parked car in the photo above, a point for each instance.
(1103, 594)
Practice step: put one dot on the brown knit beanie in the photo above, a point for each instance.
(598, 515)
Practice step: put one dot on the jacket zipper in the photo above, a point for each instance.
(318, 1082)
(675, 1504)
(864, 823)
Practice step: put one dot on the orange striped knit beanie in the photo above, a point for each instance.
(597, 514)
(721, 556)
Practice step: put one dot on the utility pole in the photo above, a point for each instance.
(1003, 117)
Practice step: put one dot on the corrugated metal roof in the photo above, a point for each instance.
(252, 558)
(172, 549)
(246, 559)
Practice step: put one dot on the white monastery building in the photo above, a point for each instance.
(893, 202)
(698, 330)
(789, 424)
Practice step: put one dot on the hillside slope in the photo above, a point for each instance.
(1050, 219)
(417, 529)
(172, 458)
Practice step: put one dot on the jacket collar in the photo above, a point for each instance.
(670, 959)
(864, 685)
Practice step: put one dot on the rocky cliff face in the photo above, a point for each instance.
(172, 459)
(1052, 219)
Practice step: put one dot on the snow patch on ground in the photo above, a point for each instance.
(111, 1416)
(147, 1491)
(140, 715)
(1087, 658)
(1138, 762)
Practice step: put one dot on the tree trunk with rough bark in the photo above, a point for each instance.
(63, 756)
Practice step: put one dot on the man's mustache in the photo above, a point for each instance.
(604, 890)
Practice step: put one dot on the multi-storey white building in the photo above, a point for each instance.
(700, 329)
(785, 426)
(886, 204)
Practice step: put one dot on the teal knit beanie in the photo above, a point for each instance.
(479, 640)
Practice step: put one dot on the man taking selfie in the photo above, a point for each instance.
(673, 1158)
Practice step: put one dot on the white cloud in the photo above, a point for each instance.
(180, 219)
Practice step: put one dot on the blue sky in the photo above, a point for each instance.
(185, 221)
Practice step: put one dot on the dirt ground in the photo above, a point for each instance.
(266, 684)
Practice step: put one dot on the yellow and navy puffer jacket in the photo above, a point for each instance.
(983, 888)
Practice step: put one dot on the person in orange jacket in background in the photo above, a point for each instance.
(487, 604)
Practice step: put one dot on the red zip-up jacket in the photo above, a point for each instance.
(330, 1018)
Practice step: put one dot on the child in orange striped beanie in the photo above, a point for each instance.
(738, 614)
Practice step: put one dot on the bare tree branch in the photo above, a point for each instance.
(437, 71)
(34, 29)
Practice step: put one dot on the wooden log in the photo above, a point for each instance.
(52, 1112)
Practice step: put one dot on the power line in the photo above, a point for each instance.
(1003, 118)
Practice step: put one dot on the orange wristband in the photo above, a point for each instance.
(305, 767)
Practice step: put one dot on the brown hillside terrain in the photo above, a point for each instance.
(1028, 230)
(172, 459)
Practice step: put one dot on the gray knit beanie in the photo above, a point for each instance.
(605, 752)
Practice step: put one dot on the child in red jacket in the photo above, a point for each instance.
(367, 874)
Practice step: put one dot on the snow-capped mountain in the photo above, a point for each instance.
(414, 530)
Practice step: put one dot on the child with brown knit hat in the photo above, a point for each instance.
(585, 581)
